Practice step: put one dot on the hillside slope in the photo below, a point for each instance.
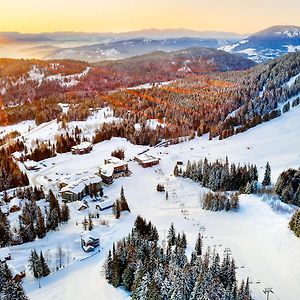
(268, 44)
(256, 228)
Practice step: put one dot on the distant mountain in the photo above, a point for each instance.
(133, 47)
(97, 37)
(23, 45)
(268, 44)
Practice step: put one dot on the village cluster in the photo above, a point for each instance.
(83, 189)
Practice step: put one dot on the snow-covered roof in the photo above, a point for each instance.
(14, 202)
(107, 170)
(30, 164)
(146, 158)
(91, 179)
(79, 184)
(73, 177)
(110, 164)
(4, 252)
(16, 270)
(75, 187)
(106, 203)
(88, 235)
(82, 146)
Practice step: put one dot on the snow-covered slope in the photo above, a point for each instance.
(267, 44)
(264, 248)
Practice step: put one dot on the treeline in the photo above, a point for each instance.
(10, 174)
(219, 176)
(149, 271)
(32, 222)
(42, 110)
(9, 288)
(220, 201)
(288, 189)
(288, 186)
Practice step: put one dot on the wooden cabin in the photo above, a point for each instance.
(77, 190)
(83, 148)
(113, 168)
(89, 241)
(146, 161)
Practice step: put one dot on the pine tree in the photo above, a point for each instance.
(176, 171)
(5, 232)
(90, 223)
(171, 236)
(123, 202)
(35, 264)
(65, 213)
(108, 268)
(117, 209)
(45, 269)
(40, 227)
(85, 224)
(198, 245)
(267, 177)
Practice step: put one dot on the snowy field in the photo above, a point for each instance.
(264, 248)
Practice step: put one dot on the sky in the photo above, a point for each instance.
(239, 16)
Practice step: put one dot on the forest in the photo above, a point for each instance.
(150, 270)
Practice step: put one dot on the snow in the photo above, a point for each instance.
(37, 74)
(258, 235)
(230, 48)
(153, 123)
(292, 48)
(22, 127)
(150, 85)
(4, 253)
(292, 80)
(249, 51)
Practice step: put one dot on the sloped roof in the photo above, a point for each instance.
(89, 235)
(79, 185)
(14, 202)
(4, 252)
(82, 146)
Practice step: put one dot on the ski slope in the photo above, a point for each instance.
(264, 248)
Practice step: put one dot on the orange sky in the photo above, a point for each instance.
(126, 15)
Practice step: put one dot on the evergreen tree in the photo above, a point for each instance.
(90, 223)
(40, 227)
(123, 202)
(45, 269)
(35, 265)
(65, 213)
(85, 224)
(171, 235)
(267, 177)
(5, 232)
(198, 245)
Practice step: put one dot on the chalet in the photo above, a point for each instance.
(113, 168)
(18, 272)
(65, 180)
(146, 160)
(14, 205)
(4, 255)
(83, 148)
(82, 206)
(31, 165)
(76, 190)
(89, 241)
(106, 204)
